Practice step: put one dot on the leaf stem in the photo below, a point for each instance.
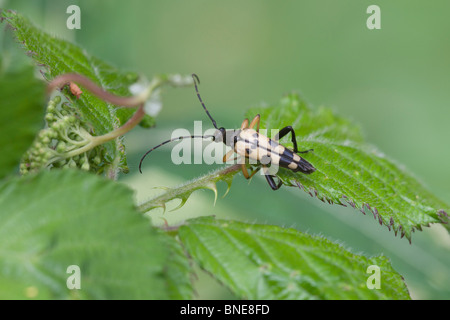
(98, 140)
(127, 102)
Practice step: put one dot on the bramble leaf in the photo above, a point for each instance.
(63, 218)
(349, 170)
(270, 262)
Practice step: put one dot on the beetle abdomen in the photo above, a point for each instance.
(295, 163)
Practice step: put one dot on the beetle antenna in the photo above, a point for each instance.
(197, 80)
(165, 142)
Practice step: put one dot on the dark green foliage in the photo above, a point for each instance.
(60, 218)
(269, 262)
(21, 112)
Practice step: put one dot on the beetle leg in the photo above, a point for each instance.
(254, 172)
(244, 171)
(270, 180)
(228, 155)
(284, 132)
(272, 183)
(244, 124)
(256, 121)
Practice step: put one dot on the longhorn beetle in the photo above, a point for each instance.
(249, 143)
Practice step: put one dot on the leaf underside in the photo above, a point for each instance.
(58, 57)
(270, 262)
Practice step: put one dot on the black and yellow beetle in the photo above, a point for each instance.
(250, 144)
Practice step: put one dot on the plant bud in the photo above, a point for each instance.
(61, 147)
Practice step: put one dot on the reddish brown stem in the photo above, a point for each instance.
(62, 80)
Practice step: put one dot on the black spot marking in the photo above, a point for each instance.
(247, 150)
(285, 162)
(288, 155)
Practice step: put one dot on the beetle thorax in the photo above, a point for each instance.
(228, 137)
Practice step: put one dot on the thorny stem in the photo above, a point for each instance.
(183, 192)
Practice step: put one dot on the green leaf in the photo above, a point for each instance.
(56, 219)
(350, 171)
(177, 270)
(21, 112)
(58, 57)
(269, 262)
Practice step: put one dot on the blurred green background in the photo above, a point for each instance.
(394, 82)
